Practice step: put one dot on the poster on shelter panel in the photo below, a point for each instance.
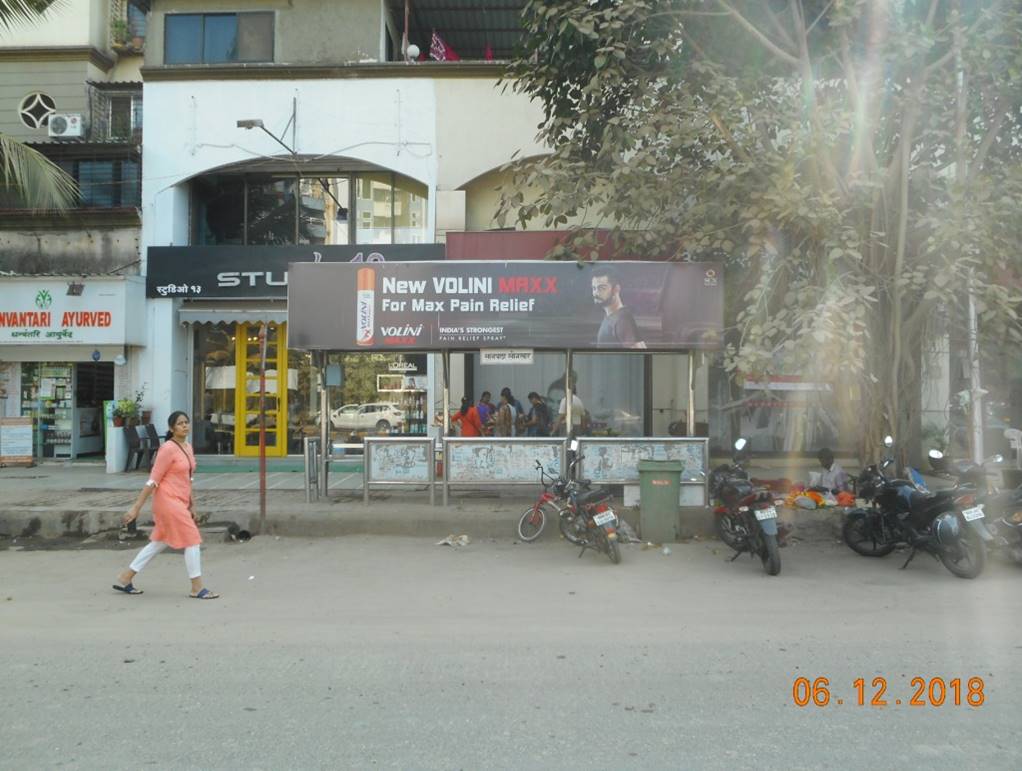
(618, 306)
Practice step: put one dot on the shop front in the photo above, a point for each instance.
(65, 346)
(227, 293)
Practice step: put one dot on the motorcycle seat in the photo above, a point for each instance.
(926, 502)
(593, 496)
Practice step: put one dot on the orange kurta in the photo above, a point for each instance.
(172, 473)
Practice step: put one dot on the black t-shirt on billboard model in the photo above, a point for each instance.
(618, 328)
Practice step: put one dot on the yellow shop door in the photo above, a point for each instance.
(246, 428)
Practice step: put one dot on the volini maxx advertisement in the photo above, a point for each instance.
(527, 304)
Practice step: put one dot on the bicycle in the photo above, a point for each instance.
(533, 519)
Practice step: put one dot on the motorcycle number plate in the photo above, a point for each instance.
(976, 512)
(768, 513)
(604, 518)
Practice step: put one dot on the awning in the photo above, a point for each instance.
(230, 316)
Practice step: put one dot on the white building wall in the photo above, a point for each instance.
(398, 124)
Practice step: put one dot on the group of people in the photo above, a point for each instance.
(508, 417)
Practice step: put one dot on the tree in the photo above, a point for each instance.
(855, 163)
(35, 180)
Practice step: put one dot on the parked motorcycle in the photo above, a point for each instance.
(745, 516)
(946, 523)
(1003, 509)
(585, 516)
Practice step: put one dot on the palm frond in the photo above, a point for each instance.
(16, 12)
(38, 182)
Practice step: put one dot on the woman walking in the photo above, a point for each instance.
(170, 484)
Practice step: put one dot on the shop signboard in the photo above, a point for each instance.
(40, 311)
(631, 306)
(506, 356)
(257, 272)
(16, 436)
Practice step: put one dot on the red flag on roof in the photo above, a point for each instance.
(440, 51)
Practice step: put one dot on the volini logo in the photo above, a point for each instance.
(406, 331)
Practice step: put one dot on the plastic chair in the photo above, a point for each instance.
(153, 444)
(136, 450)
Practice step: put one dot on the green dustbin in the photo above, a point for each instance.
(659, 495)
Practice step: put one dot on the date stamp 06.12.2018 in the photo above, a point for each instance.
(923, 692)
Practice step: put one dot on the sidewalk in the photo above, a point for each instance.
(80, 499)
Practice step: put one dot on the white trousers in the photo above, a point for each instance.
(193, 560)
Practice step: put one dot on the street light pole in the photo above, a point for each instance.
(251, 123)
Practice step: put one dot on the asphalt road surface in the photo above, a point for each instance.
(395, 653)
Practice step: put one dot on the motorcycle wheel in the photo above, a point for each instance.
(728, 532)
(612, 549)
(531, 523)
(770, 555)
(968, 557)
(566, 524)
(861, 540)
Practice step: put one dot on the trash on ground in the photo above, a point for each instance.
(626, 534)
(454, 540)
(666, 550)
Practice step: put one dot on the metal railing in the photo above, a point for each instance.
(399, 461)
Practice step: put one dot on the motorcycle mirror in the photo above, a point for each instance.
(740, 444)
(888, 441)
(574, 445)
(936, 455)
(886, 463)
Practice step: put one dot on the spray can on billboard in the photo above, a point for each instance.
(364, 306)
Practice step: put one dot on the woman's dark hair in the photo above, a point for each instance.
(171, 421)
(466, 403)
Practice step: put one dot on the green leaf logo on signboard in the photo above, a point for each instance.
(43, 299)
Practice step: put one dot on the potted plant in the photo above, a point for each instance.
(119, 31)
(124, 409)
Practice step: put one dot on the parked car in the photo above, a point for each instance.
(379, 416)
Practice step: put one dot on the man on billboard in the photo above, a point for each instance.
(618, 328)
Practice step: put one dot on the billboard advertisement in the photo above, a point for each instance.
(527, 304)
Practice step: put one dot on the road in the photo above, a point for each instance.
(392, 652)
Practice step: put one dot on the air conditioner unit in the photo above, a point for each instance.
(66, 125)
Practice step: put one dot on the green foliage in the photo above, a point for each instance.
(15, 13)
(126, 408)
(858, 166)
